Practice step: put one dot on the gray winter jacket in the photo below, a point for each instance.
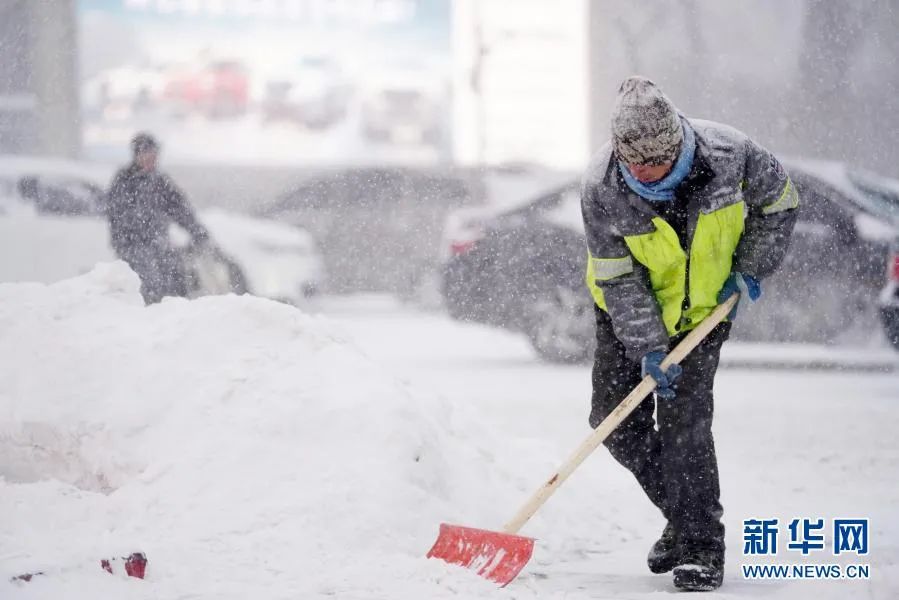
(739, 169)
(140, 207)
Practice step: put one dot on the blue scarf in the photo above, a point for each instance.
(663, 189)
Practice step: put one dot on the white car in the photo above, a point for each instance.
(52, 227)
(279, 261)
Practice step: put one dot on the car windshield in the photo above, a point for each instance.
(881, 193)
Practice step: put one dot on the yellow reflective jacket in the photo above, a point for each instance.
(637, 271)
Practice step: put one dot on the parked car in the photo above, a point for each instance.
(219, 89)
(280, 261)
(121, 91)
(36, 244)
(52, 187)
(523, 268)
(889, 299)
(314, 94)
(378, 227)
(403, 105)
(882, 199)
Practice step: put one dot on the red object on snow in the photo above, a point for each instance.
(135, 565)
(493, 555)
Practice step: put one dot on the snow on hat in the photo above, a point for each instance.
(646, 129)
(144, 141)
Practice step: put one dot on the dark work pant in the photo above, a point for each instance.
(160, 270)
(674, 462)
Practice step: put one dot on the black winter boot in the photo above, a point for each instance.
(665, 553)
(701, 568)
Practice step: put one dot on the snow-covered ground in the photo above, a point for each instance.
(255, 451)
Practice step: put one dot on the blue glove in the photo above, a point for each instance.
(652, 365)
(747, 285)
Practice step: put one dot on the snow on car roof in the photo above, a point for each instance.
(232, 224)
(507, 191)
(832, 172)
(855, 184)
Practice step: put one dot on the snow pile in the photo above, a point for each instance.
(249, 449)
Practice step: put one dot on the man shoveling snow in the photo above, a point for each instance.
(680, 214)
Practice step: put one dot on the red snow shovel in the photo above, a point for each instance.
(500, 555)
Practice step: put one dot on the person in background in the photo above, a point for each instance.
(142, 203)
(679, 214)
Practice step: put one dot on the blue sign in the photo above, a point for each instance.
(808, 537)
(760, 536)
(850, 535)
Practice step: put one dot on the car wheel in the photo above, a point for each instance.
(560, 325)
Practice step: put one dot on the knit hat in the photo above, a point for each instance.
(144, 142)
(646, 129)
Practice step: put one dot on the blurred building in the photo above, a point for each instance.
(814, 78)
(534, 80)
(521, 82)
(39, 108)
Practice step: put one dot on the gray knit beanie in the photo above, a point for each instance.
(646, 129)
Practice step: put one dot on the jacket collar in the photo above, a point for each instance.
(711, 195)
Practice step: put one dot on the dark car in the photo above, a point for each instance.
(882, 199)
(889, 299)
(523, 269)
(378, 227)
(67, 196)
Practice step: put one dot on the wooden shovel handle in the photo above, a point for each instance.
(626, 407)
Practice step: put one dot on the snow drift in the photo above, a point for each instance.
(248, 449)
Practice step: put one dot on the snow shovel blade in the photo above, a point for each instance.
(493, 555)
